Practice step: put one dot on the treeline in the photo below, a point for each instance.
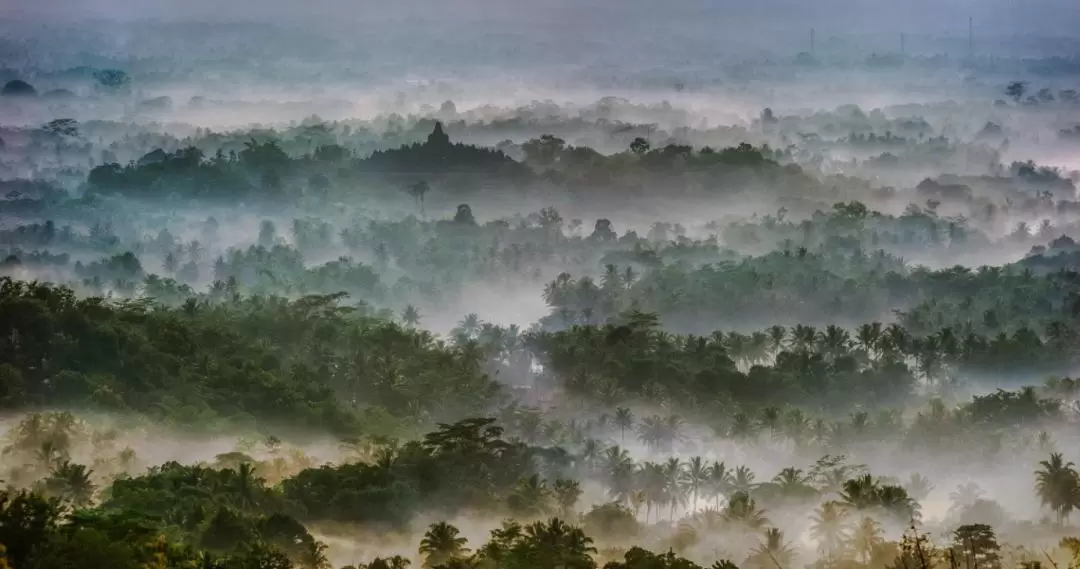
(229, 516)
(245, 361)
(263, 170)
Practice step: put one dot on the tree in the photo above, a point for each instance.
(772, 553)
(530, 498)
(441, 543)
(567, 493)
(545, 151)
(62, 128)
(611, 520)
(26, 522)
(1016, 90)
(418, 190)
(719, 482)
(866, 538)
(742, 511)
(245, 485)
(71, 482)
(410, 316)
(18, 88)
(624, 419)
(829, 527)
(696, 476)
(977, 546)
(639, 146)
(112, 79)
(1058, 486)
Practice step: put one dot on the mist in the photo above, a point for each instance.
(559, 285)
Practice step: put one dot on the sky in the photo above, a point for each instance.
(1053, 17)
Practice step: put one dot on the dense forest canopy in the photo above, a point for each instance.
(542, 286)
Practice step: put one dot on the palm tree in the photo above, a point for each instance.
(1058, 486)
(469, 326)
(742, 426)
(918, 487)
(965, 495)
(245, 483)
(828, 526)
(313, 556)
(860, 493)
(792, 483)
(776, 339)
(673, 478)
(802, 337)
(441, 543)
(624, 419)
(418, 191)
(530, 497)
(742, 511)
(620, 471)
(659, 433)
(696, 476)
(770, 419)
(654, 484)
(772, 553)
(71, 482)
(591, 452)
(50, 455)
(866, 538)
(743, 480)
(868, 337)
(566, 494)
(410, 316)
(719, 483)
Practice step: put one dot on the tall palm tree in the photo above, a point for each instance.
(866, 538)
(673, 483)
(719, 483)
(742, 426)
(654, 484)
(659, 433)
(743, 480)
(469, 325)
(441, 543)
(918, 486)
(624, 419)
(530, 497)
(410, 316)
(620, 472)
(802, 337)
(772, 553)
(418, 191)
(792, 483)
(868, 337)
(71, 482)
(566, 493)
(1058, 486)
(777, 334)
(828, 526)
(696, 477)
(245, 483)
(965, 495)
(770, 419)
(743, 512)
(591, 452)
(860, 493)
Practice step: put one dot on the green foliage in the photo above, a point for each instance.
(259, 360)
